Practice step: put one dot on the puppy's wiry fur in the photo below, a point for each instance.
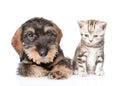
(37, 43)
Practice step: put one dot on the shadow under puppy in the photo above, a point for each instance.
(37, 43)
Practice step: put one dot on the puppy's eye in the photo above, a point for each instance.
(30, 34)
(49, 34)
(86, 35)
(95, 35)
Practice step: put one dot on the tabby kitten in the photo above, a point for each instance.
(89, 55)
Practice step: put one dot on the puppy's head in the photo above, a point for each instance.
(37, 36)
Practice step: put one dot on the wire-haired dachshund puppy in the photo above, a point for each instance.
(37, 43)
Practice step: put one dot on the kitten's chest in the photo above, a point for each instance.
(92, 55)
(92, 52)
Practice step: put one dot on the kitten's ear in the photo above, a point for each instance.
(103, 25)
(81, 24)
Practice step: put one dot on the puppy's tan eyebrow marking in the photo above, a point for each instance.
(30, 30)
(48, 28)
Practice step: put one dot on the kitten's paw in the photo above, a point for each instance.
(99, 73)
(75, 72)
(82, 74)
(91, 72)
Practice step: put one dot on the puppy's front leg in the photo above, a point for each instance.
(62, 70)
(31, 70)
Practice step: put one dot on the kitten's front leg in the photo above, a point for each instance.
(99, 66)
(82, 65)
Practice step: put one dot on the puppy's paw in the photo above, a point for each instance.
(60, 72)
(57, 75)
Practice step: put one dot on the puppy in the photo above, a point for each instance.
(37, 44)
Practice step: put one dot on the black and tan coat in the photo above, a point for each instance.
(37, 44)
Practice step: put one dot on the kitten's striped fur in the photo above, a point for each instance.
(89, 55)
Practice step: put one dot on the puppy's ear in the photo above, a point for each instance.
(59, 33)
(16, 41)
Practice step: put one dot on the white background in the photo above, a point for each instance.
(65, 14)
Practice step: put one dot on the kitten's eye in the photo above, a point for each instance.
(86, 35)
(81, 34)
(95, 35)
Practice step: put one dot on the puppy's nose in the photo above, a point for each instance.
(43, 52)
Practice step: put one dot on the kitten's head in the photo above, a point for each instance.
(92, 31)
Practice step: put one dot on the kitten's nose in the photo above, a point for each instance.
(90, 40)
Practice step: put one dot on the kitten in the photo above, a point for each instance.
(89, 55)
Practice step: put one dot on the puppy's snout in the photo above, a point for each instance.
(43, 52)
